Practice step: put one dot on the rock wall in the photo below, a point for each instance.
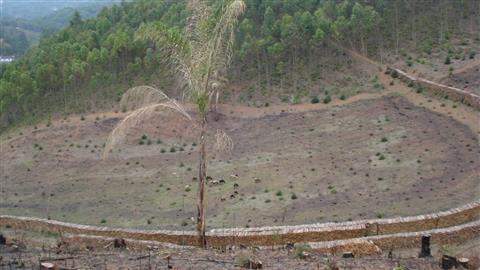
(449, 92)
(263, 236)
(370, 245)
(375, 244)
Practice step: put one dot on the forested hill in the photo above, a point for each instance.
(93, 61)
(19, 34)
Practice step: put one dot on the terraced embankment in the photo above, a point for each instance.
(448, 92)
(457, 223)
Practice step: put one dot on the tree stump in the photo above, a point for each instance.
(48, 266)
(448, 262)
(464, 262)
(3, 240)
(253, 264)
(119, 243)
(425, 252)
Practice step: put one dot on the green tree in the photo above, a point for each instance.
(364, 18)
(76, 19)
(268, 22)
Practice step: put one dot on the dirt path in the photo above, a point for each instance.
(253, 112)
(461, 113)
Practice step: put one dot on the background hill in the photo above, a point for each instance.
(31, 10)
(287, 51)
(23, 23)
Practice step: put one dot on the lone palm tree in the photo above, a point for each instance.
(199, 57)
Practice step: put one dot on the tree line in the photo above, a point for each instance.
(274, 39)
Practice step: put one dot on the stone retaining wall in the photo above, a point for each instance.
(452, 93)
(263, 236)
(369, 245)
(375, 244)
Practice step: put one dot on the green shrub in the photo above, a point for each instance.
(315, 100)
(447, 60)
(327, 99)
(378, 85)
(394, 74)
(279, 193)
(419, 89)
(172, 149)
(294, 196)
(384, 139)
(471, 55)
(343, 97)
(295, 99)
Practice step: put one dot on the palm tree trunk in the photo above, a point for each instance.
(202, 175)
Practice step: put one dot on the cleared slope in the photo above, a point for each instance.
(368, 158)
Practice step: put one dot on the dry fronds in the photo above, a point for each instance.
(224, 38)
(119, 133)
(223, 142)
(141, 96)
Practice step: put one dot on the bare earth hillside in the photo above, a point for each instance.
(370, 156)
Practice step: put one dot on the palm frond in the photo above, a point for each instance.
(223, 142)
(133, 119)
(205, 52)
(224, 34)
(176, 47)
(142, 96)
